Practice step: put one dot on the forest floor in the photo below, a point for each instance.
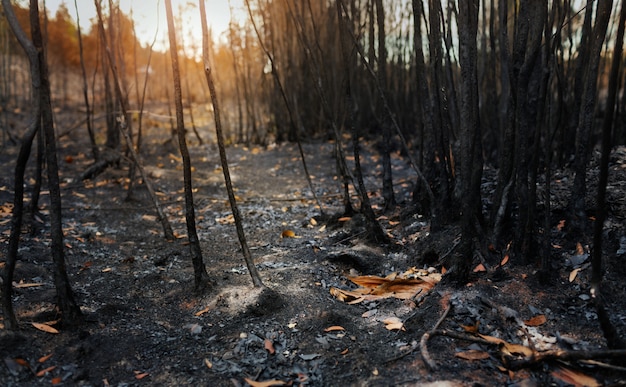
(146, 326)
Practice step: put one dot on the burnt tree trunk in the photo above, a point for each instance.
(254, 273)
(201, 277)
(471, 151)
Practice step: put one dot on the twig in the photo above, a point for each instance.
(426, 336)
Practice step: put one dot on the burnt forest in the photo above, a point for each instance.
(257, 193)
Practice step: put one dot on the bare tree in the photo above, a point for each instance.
(471, 150)
(201, 277)
(70, 310)
(254, 273)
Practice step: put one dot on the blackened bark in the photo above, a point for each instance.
(471, 151)
(254, 273)
(585, 121)
(374, 229)
(388, 195)
(201, 277)
(10, 321)
(613, 339)
(70, 310)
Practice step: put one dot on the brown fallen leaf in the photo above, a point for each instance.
(479, 268)
(471, 328)
(56, 380)
(208, 363)
(45, 328)
(536, 321)
(267, 383)
(573, 274)
(472, 354)
(574, 378)
(45, 358)
(334, 328)
(45, 371)
(269, 346)
(140, 375)
(288, 234)
(393, 324)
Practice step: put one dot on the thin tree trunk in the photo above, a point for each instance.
(612, 336)
(92, 137)
(201, 277)
(254, 273)
(471, 151)
(10, 321)
(585, 121)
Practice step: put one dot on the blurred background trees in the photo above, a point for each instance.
(540, 70)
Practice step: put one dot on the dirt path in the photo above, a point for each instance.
(146, 327)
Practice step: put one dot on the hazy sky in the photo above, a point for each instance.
(148, 14)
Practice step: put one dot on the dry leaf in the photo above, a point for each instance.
(56, 380)
(45, 358)
(288, 234)
(21, 362)
(267, 383)
(504, 260)
(574, 378)
(393, 323)
(345, 351)
(140, 375)
(536, 321)
(492, 339)
(45, 328)
(344, 219)
(471, 328)
(45, 371)
(203, 311)
(573, 274)
(579, 249)
(479, 268)
(472, 354)
(516, 350)
(269, 346)
(334, 328)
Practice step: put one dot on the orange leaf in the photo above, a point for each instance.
(21, 362)
(345, 351)
(334, 328)
(269, 346)
(288, 234)
(536, 321)
(479, 268)
(472, 354)
(504, 260)
(140, 375)
(471, 328)
(45, 328)
(267, 383)
(344, 219)
(43, 359)
(56, 380)
(45, 371)
(574, 378)
(443, 270)
(579, 249)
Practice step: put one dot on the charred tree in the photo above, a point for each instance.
(201, 277)
(68, 307)
(254, 273)
(471, 162)
(585, 120)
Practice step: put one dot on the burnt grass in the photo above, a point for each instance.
(145, 325)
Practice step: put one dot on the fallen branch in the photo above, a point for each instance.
(426, 336)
